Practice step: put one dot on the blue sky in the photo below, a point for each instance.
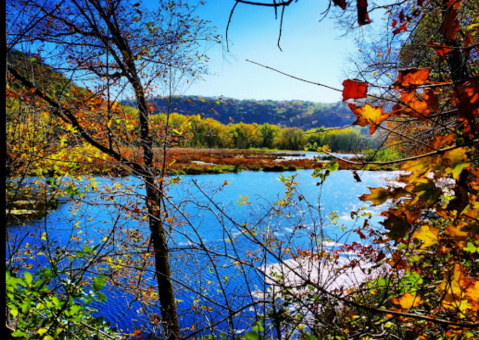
(311, 50)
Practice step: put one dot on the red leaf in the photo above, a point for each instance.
(441, 49)
(340, 3)
(468, 102)
(402, 27)
(394, 23)
(450, 24)
(466, 44)
(363, 17)
(354, 89)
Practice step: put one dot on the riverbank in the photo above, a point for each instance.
(189, 161)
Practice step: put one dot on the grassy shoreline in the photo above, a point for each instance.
(188, 161)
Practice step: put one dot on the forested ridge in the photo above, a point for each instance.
(293, 113)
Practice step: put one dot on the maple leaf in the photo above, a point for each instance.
(462, 232)
(354, 89)
(407, 301)
(369, 115)
(426, 234)
(377, 196)
(411, 77)
(380, 195)
(456, 283)
(428, 192)
(363, 17)
(398, 226)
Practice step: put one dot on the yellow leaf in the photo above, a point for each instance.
(458, 161)
(426, 234)
(369, 115)
(42, 331)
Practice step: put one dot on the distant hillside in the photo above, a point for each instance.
(301, 114)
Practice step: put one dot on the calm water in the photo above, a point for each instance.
(96, 216)
(313, 155)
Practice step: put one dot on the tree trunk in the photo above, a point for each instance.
(162, 267)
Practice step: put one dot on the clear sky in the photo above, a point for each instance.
(311, 50)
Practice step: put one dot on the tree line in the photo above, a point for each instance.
(197, 131)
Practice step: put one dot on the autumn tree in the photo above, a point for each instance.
(113, 49)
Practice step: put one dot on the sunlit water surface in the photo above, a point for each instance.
(96, 216)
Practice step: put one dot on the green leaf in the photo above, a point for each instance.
(99, 282)
(310, 337)
(470, 248)
(39, 283)
(333, 166)
(19, 334)
(257, 327)
(251, 336)
(56, 302)
(102, 297)
(26, 307)
(14, 312)
(28, 278)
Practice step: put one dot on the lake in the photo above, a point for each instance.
(247, 199)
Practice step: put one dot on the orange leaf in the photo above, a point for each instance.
(369, 115)
(411, 76)
(463, 232)
(443, 140)
(415, 107)
(354, 89)
(407, 301)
